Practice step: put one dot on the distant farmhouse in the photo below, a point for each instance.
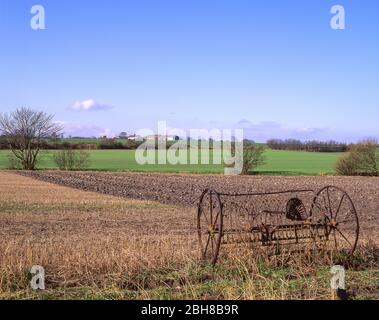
(134, 137)
(160, 137)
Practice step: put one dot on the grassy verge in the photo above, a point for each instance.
(245, 276)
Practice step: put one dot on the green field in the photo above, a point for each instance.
(277, 163)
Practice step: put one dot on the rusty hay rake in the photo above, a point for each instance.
(294, 218)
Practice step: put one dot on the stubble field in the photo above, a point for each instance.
(132, 236)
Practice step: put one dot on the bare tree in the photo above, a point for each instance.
(24, 131)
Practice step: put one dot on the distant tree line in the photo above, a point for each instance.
(77, 143)
(311, 146)
(64, 144)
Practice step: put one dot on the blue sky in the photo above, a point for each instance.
(273, 67)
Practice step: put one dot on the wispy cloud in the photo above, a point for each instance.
(89, 105)
(263, 131)
(80, 130)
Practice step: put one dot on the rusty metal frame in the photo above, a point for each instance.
(276, 226)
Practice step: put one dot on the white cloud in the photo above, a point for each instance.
(307, 130)
(89, 105)
(264, 131)
(107, 132)
(79, 130)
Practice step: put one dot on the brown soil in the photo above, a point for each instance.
(185, 189)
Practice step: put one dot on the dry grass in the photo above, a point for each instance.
(84, 238)
(100, 246)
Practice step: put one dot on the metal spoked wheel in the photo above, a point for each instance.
(334, 208)
(209, 225)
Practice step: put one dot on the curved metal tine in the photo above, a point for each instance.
(241, 207)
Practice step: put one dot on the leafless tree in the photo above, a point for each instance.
(24, 131)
